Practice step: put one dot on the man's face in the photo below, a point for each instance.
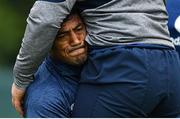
(69, 45)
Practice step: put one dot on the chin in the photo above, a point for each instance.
(78, 60)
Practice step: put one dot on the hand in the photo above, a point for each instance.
(17, 99)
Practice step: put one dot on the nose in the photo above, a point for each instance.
(74, 39)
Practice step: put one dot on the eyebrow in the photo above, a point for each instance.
(65, 32)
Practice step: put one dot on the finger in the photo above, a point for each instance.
(18, 107)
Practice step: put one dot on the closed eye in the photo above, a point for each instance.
(62, 34)
(79, 27)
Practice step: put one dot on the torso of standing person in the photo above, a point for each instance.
(115, 22)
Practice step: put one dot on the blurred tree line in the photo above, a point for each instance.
(13, 14)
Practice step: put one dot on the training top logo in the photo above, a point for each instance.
(177, 24)
(176, 40)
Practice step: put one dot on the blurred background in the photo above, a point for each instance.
(13, 14)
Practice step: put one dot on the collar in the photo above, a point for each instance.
(64, 69)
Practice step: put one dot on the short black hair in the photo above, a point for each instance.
(74, 11)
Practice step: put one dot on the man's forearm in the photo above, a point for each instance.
(43, 24)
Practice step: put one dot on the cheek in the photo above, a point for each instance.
(61, 48)
(62, 45)
(82, 36)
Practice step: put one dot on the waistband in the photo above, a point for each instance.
(147, 46)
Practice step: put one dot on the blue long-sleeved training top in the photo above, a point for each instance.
(53, 91)
(108, 22)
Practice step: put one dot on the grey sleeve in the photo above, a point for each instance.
(43, 24)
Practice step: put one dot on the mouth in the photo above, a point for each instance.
(77, 50)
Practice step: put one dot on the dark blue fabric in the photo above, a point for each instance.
(53, 0)
(90, 4)
(130, 82)
(53, 91)
(100, 57)
(173, 8)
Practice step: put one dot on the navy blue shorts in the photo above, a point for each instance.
(130, 82)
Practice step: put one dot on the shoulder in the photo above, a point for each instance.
(47, 101)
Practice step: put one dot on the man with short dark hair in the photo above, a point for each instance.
(52, 93)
